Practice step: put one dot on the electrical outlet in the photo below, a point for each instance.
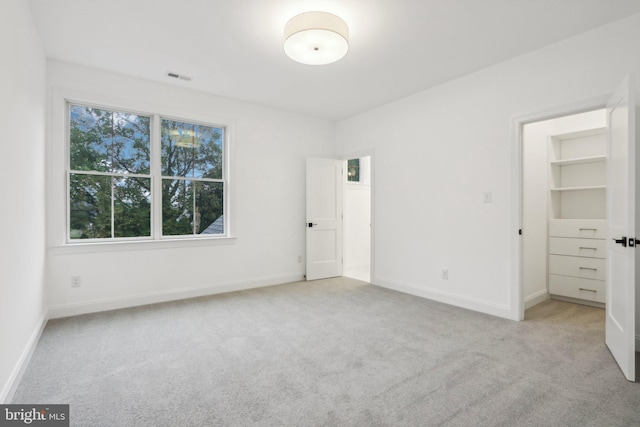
(445, 274)
(75, 281)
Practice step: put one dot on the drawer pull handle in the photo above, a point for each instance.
(588, 268)
(588, 290)
(586, 247)
(589, 229)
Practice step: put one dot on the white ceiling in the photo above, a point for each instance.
(233, 48)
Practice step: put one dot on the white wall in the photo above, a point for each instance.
(440, 150)
(268, 152)
(22, 259)
(535, 171)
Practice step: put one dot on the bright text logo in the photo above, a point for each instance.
(36, 415)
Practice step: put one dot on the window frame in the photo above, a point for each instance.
(155, 175)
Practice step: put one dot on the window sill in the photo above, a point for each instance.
(140, 245)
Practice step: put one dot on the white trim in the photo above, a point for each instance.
(578, 301)
(474, 304)
(517, 304)
(517, 124)
(535, 299)
(141, 245)
(9, 389)
(155, 168)
(356, 268)
(85, 307)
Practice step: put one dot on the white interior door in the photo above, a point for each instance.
(324, 218)
(620, 309)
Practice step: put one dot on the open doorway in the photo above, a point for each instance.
(577, 224)
(357, 218)
(564, 181)
(564, 209)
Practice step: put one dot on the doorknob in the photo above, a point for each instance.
(622, 241)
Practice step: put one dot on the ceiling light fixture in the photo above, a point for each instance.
(316, 38)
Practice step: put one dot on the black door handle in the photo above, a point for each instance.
(622, 241)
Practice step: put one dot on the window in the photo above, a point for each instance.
(353, 170)
(192, 184)
(114, 181)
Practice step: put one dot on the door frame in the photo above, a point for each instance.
(517, 128)
(368, 152)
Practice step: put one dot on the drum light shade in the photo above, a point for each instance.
(316, 38)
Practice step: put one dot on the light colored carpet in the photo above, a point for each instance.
(327, 353)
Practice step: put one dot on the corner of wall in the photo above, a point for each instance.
(22, 275)
(448, 298)
(9, 389)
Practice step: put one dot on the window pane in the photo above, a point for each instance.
(353, 170)
(177, 207)
(90, 207)
(132, 207)
(130, 144)
(190, 150)
(108, 141)
(192, 207)
(90, 134)
(209, 154)
(209, 208)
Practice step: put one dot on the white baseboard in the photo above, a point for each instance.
(356, 268)
(85, 307)
(9, 389)
(447, 298)
(536, 299)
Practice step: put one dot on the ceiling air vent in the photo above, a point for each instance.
(179, 76)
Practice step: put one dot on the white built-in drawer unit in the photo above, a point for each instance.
(591, 248)
(582, 267)
(577, 263)
(580, 228)
(574, 287)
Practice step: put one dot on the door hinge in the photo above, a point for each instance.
(633, 242)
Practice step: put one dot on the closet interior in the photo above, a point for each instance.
(564, 209)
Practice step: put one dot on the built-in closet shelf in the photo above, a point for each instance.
(592, 187)
(577, 209)
(579, 161)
